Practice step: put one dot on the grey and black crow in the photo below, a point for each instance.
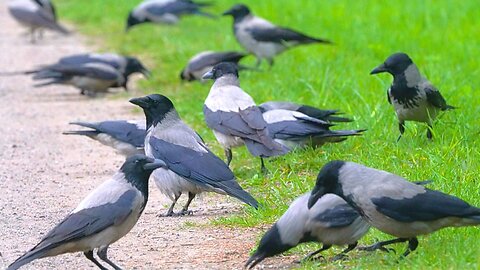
(203, 62)
(235, 118)
(107, 214)
(164, 11)
(127, 137)
(325, 115)
(330, 221)
(91, 72)
(413, 97)
(36, 15)
(262, 38)
(192, 167)
(91, 78)
(126, 65)
(297, 130)
(392, 204)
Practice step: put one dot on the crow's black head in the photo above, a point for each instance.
(395, 64)
(138, 168)
(270, 245)
(327, 181)
(132, 20)
(220, 70)
(237, 11)
(154, 106)
(134, 65)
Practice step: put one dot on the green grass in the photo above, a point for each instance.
(441, 37)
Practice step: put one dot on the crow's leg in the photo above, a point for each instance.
(429, 132)
(381, 245)
(310, 255)
(263, 169)
(412, 245)
(401, 127)
(185, 210)
(228, 155)
(270, 62)
(342, 254)
(170, 210)
(102, 254)
(89, 255)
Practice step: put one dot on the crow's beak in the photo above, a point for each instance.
(254, 260)
(228, 12)
(154, 164)
(141, 101)
(379, 69)
(317, 193)
(146, 72)
(208, 75)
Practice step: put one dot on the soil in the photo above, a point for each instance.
(44, 174)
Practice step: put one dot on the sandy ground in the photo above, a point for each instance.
(44, 174)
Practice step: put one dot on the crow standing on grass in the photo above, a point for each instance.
(235, 118)
(36, 15)
(262, 38)
(164, 11)
(392, 204)
(107, 214)
(412, 95)
(192, 167)
(330, 221)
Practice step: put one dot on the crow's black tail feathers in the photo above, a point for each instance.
(233, 189)
(258, 149)
(320, 40)
(206, 14)
(27, 257)
(89, 133)
(14, 73)
(325, 115)
(334, 118)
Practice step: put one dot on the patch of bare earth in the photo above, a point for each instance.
(44, 174)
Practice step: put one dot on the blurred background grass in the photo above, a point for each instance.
(442, 37)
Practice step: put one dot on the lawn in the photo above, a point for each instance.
(442, 37)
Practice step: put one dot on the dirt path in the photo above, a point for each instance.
(43, 174)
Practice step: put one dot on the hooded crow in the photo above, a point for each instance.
(297, 130)
(325, 115)
(234, 117)
(90, 71)
(192, 167)
(413, 97)
(127, 137)
(164, 11)
(107, 214)
(36, 15)
(330, 221)
(262, 38)
(203, 62)
(126, 65)
(91, 78)
(392, 204)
